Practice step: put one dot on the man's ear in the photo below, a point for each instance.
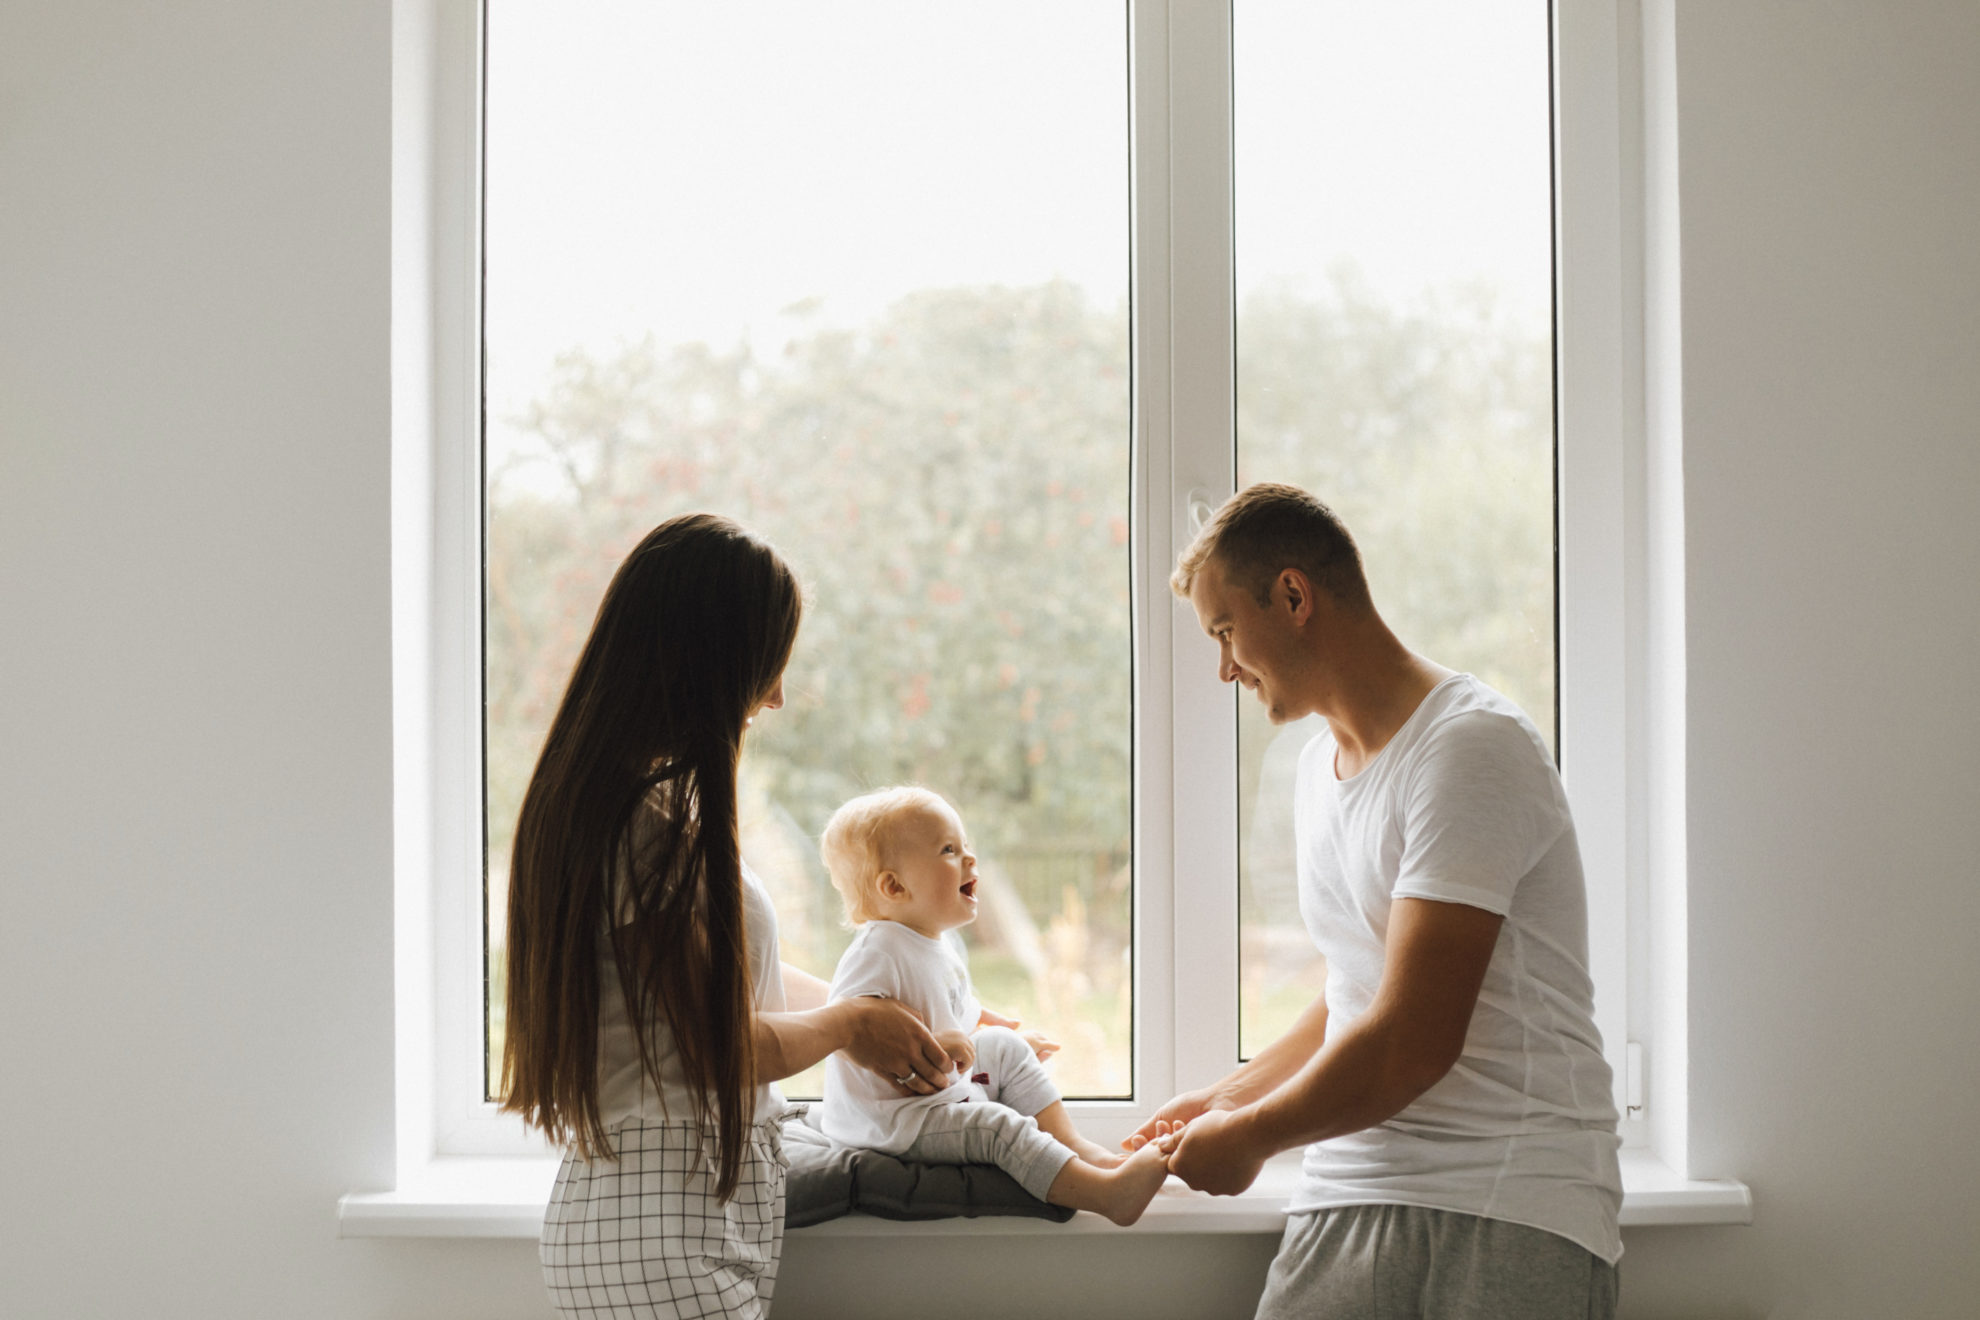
(1297, 593)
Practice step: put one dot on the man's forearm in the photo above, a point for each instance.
(1367, 1075)
(1434, 962)
(1369, 1070)
(1276, 1064)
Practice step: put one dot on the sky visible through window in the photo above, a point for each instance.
(638, 254)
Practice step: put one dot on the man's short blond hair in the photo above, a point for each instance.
(1265, 529)
(855, 844)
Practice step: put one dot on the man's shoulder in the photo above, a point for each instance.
(1470, 714)
(1483, 750)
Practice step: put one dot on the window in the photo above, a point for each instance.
(1393, 268)
(896, 344)
(970, 318)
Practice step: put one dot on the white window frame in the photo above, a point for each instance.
(1186, 933)
(1186, 393)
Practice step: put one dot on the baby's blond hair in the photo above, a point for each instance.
(854, 845)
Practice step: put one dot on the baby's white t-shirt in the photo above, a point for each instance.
(930, 976)
(1464, 805)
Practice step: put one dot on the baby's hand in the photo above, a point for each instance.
(988, 1019)
(961, 1049)
(1041, 1044)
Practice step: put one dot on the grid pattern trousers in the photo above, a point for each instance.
(643, 1237)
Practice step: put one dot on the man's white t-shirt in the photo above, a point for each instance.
(930, 976)
(624, 1089)
(1464, 805)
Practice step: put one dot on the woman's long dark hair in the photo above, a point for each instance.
(628, 831)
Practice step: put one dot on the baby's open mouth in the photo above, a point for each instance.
(969, 889)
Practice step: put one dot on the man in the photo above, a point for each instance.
(1449, 1085)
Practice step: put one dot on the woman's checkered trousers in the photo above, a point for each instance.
(643, 1236)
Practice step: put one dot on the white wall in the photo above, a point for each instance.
(1831, 324)
(195, 841)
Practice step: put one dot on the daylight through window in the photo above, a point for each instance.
(856, 277)
(1394, 282)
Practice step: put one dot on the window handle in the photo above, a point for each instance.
(1197, 509)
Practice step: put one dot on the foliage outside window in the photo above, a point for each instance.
(945, 459)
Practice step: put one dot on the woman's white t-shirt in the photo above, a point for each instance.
(930, 976)
(1464, 805)
(624, 1089)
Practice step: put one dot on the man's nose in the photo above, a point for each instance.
(1227, 668)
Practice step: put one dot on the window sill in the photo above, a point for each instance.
(498, 1198)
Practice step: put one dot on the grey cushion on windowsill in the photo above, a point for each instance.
(828, 1180)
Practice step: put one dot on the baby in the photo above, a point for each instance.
(902, 864)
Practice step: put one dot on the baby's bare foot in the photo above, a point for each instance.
(1134, 1183)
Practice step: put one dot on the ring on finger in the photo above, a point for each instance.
(906, 1079)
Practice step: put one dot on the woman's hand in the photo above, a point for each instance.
(889, 1040)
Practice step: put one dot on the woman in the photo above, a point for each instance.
(647, 1008)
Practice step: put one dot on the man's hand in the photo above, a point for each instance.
(889, 1040)
(1041, 1044)
(1211, 1154)
(986, 1018)
(959, 1046)
(1171, 1117)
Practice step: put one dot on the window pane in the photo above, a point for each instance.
(1394, 356)
(855, 275)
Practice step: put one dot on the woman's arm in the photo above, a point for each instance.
(877, 1034)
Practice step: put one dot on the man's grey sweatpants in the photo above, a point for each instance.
(1388, 1262)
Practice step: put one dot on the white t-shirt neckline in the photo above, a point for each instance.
(1403, 729)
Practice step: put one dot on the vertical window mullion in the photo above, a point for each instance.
(1156, 967)
(464, 1121)
(1201, 402)
(1600, 493)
